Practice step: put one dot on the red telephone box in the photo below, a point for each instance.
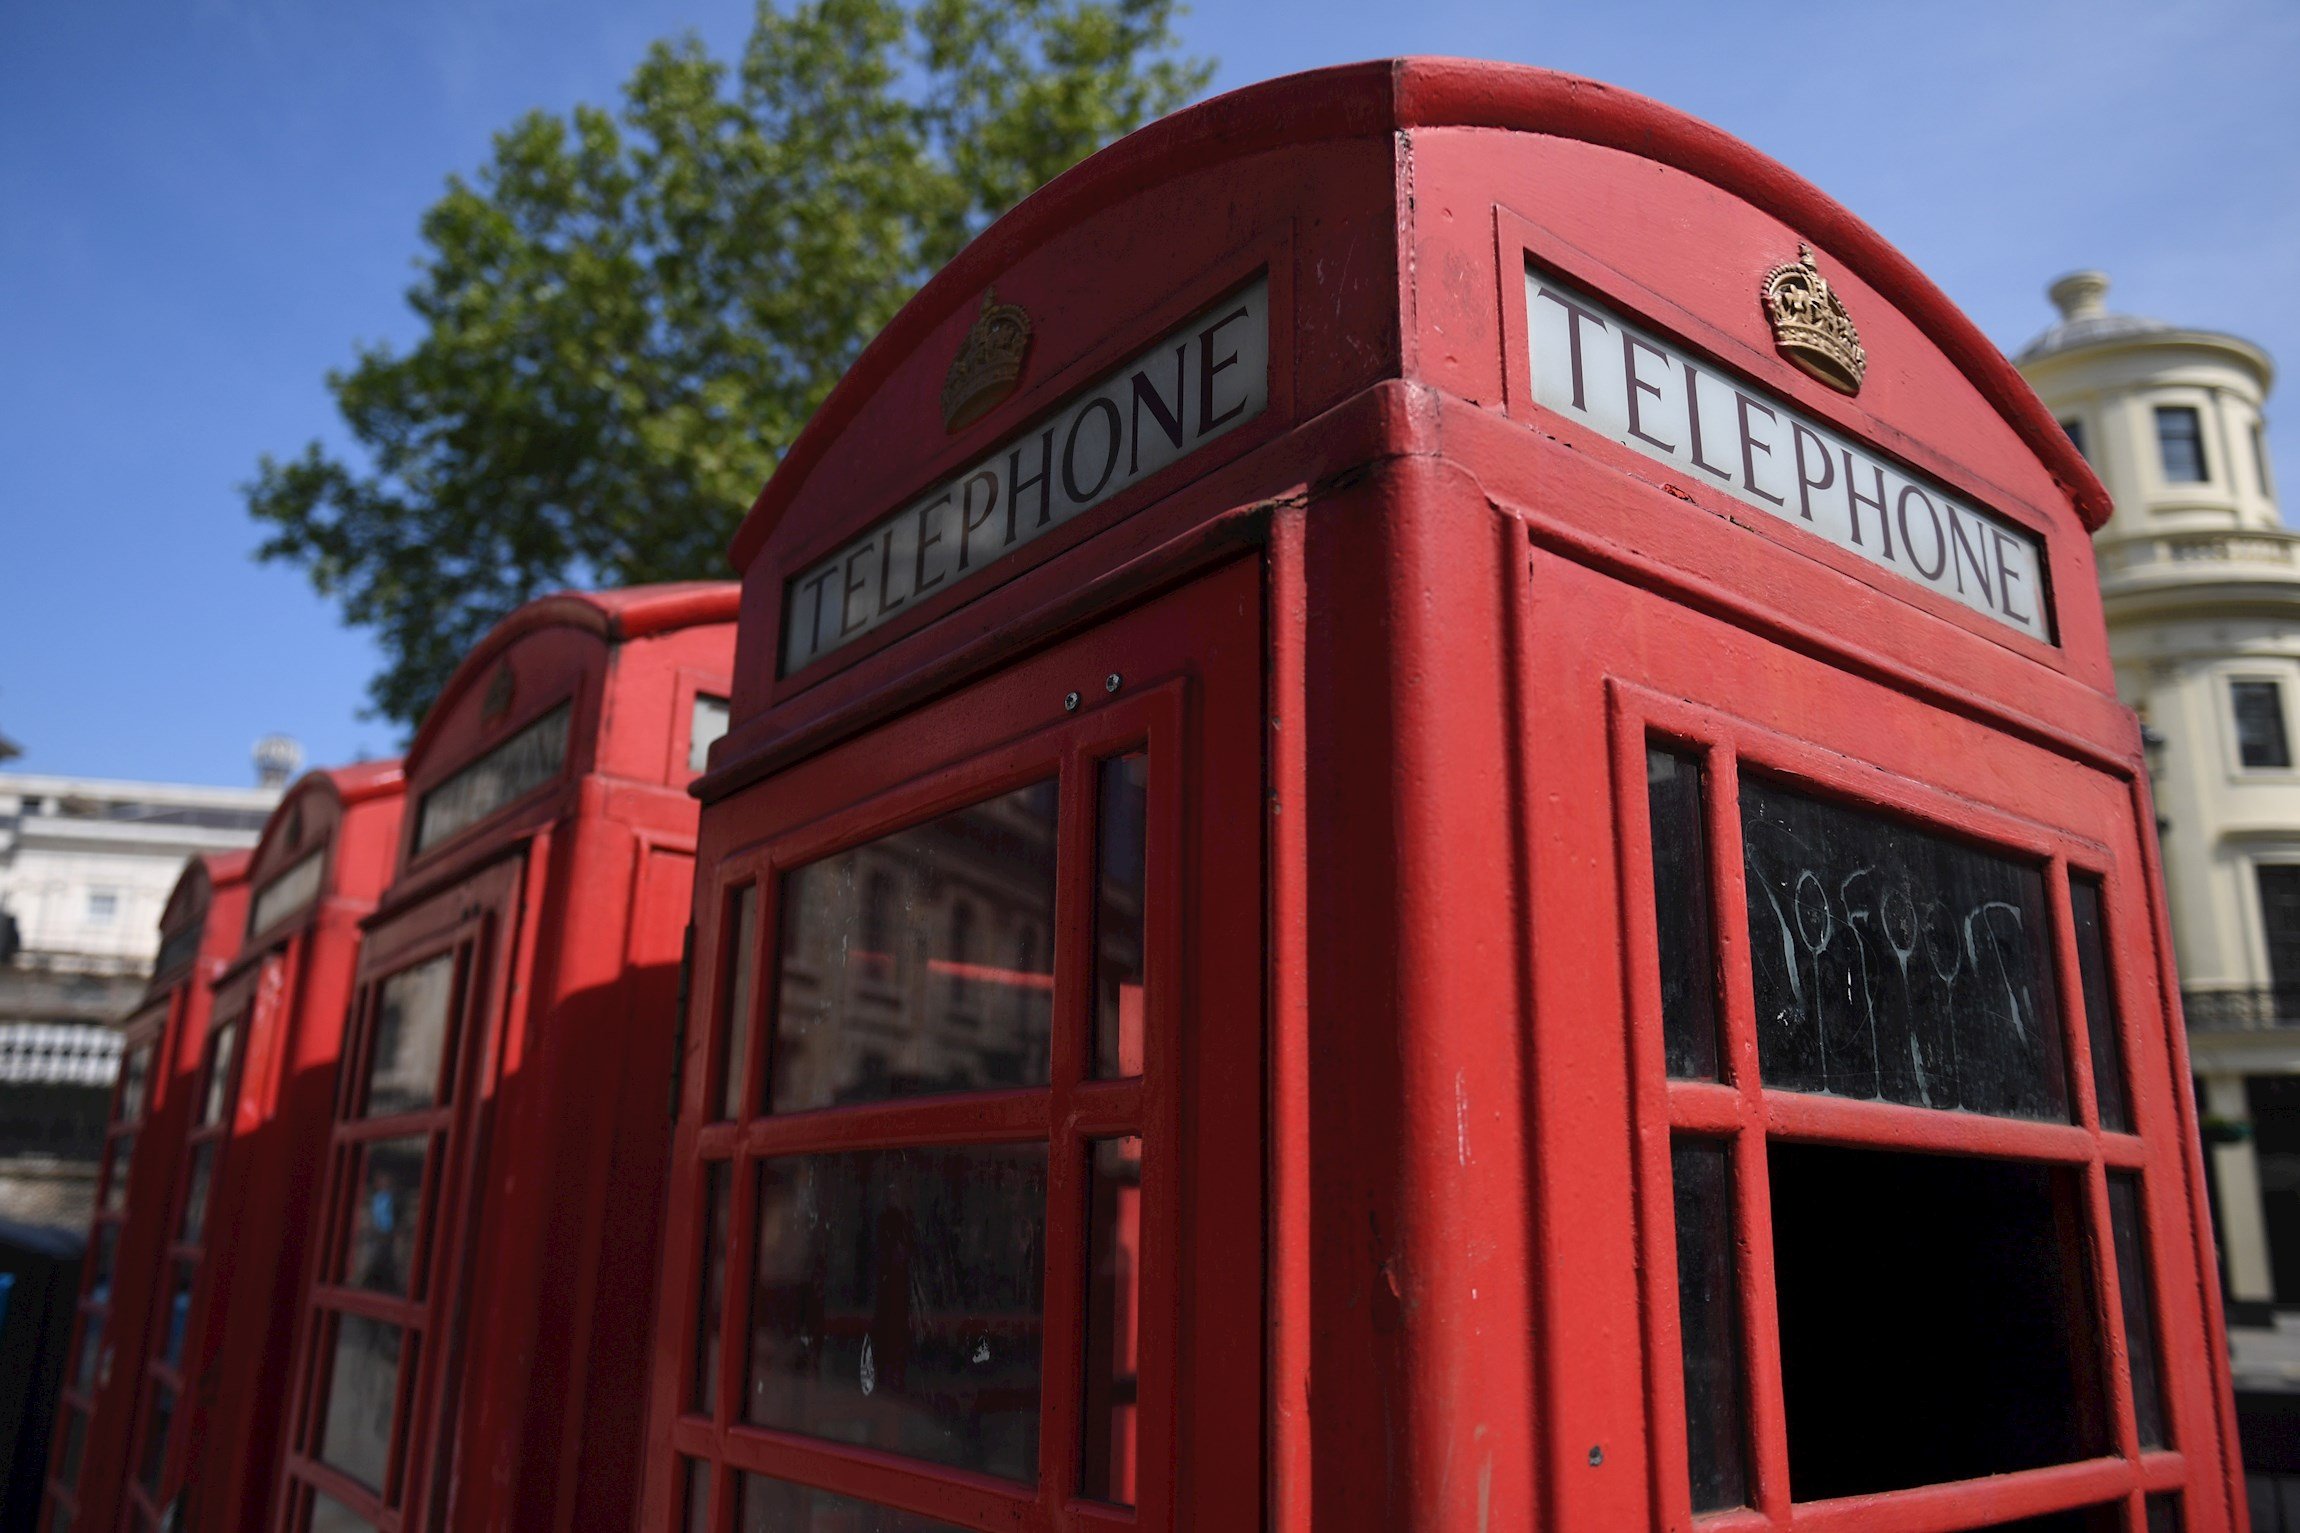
(120, 1299)
(1425, 828)
(472, 1343)
(208, 1424)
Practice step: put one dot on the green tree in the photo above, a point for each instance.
(627, 317)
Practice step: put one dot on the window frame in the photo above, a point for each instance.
(1738, 1110)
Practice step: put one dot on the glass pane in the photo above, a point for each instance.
(2260, 738)
(381, 1253)
(709, 1314)
(740, 965)
(75, 1445)
(362, 1390)
(91, 1350)
(195, 1224)
(123, 1159)
(1709, 1323)
(329, 1515)
(695, 1496)
(2100, 1020)
(59, 1518)
(897, 1300)
(2139, 1314)
(1681, 915)
(2164, 1514)
(101, 1265)
(1122, 833)
(519, 765)
(1113, 1319)
(178, 1319)
(156, 1425)
(135, 1082)
(2180, 443)
(922, 961)
(777, 1506)
(223, 1049)
(410, 1036)
(705, 726)
(1936, 1317)
(1892, 963)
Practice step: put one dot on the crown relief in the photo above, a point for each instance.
(1810, 325)
(989, 362)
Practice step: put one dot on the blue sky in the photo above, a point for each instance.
(206, 204)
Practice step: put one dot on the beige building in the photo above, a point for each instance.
(2201, 581)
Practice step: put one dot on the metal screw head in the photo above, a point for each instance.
(1596, 1456)
(1112, 682)
(1069, 702)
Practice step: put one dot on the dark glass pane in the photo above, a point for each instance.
(1107, 1459)
(2164, 1515)
(2180, 444)
(223, 1051)
(135, 1082)
(410, 1037)
(2100, 1019)
(897, 1301)
(2075, 430)
(2261, 741)
(381, 1251)
(178, 1318)
(1889, 962)
(161, 1417)
(1681, 915)
(91, 1350)
(695, 1495)
(709, 1313)
(75, 1445)
(122, 1160)
(329, 1515)
(777, 1506)
(1936, 1318)
(1709, 1324)
(103, 1262)
(2139, 1313)
(59, 1518)
(362, 1390)
(946, 986)
(2279, 887)
(740, 966)
(195, 1221)
(1122, 846)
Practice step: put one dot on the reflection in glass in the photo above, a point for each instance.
(106, 1258)
(2164, 1514)
(362, 1388)
(1709, 1323)
(2100, 1023)
(329, 1515)
(2139, 1314)
(75, 1444)
(1936, 1316)
(223, 1049)
(91, 1348)
(381, 1254)
(1891, 963)
(740, 965)
(1681, 915)
(897, 1299)
(123, 1157)
(179, 1316)
(1107, 1456)
(695, 1495)
(777, 1506)
(410, 1036)
(195, 1223)
(718, 1198)
(156, 1424)
(135, 1081)
(1122, 844)
(922, 961)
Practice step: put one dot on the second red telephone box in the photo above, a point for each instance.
(471, 1344)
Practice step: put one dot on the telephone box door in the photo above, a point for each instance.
(1913, 1183)
(966, 1214)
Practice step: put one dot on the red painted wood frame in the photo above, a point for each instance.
(120, 1289)
(1187, 683)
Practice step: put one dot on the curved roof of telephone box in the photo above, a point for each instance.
(1389, 95)
(356, 783)
(630, 612)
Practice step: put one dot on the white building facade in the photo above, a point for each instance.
(2201, 582)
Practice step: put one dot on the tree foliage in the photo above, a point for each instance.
(627, 316)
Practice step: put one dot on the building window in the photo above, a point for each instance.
(2075, 430)
(2261, 742)
(103, 906)
(2260, 460)
(2279, 885)
(2180, 444)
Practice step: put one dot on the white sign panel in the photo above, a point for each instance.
(1637, 388)
(1204, 380)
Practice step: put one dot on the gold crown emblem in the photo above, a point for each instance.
(988, 364)
(1810, 325)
